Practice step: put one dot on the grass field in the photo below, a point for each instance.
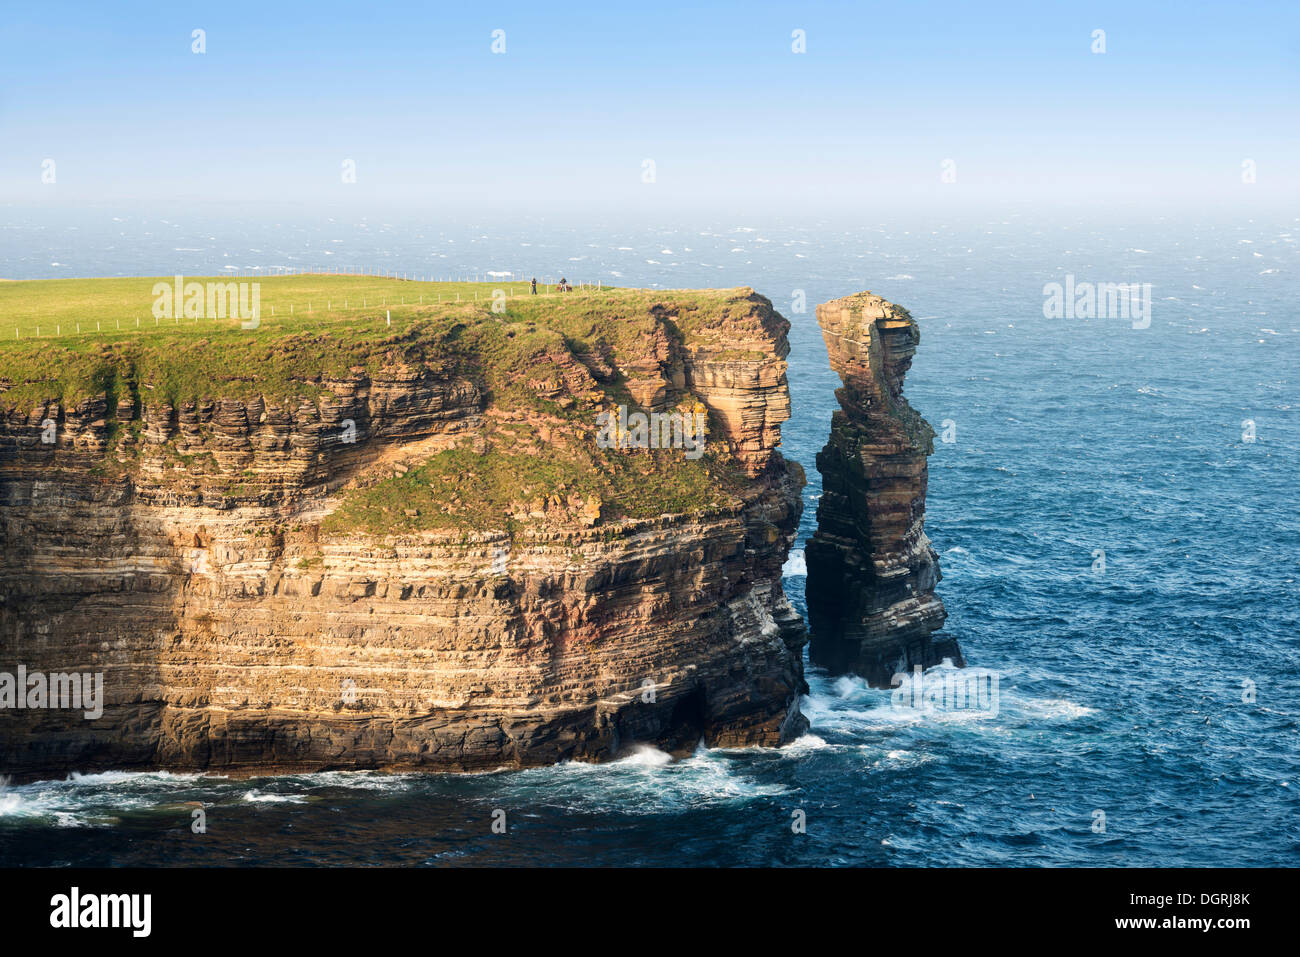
(311, 327)
(98, 308)
(516, 354)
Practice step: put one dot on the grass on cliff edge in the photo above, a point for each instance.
(57, 306)
(296, 354)
(337, 323)
(460, 488)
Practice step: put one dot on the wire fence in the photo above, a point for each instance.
(363, 272)
(496, 286)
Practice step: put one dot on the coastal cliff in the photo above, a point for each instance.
(872, 609)
(339, 544)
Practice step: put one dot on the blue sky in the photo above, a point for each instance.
(712, 93)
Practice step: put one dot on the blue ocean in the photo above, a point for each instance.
(1113, 504)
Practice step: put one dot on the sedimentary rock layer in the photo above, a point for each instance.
(871, 570)
(259, 582)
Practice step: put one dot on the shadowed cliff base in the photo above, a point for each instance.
(872, 609)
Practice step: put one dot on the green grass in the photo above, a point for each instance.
(290, 352)
(104, 307)
(295, 354)
(462, 489)
(89, 341)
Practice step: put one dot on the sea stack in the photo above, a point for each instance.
(872, 609)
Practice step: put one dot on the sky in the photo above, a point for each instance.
(926, 105)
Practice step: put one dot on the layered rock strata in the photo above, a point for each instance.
(872, 609)
(262, 583)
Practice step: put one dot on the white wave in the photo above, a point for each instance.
(806, 743)
(647, 781)
(362, 780)
(646, 756)
(845, 705)
(260, 797)
(85, 800)
(131, 778)
(1055, 708)
(899, 277)
(848, 686)
(12, 805)
(795, 565)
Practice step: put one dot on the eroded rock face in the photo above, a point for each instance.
(871, 570)
(234, 634)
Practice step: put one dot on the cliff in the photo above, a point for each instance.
(871, 570)
(339, 544)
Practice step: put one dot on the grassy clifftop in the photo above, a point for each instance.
(61, 339)
(116, 304)
(546, 365)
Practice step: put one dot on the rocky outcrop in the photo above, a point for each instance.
(217, 558)
(872, 609)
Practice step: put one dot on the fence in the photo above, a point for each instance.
(512, 288)
(361, 272)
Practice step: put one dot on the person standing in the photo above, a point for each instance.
(534, 285)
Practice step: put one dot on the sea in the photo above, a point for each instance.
(1112, 498)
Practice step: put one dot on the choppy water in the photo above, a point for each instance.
(1119, 692)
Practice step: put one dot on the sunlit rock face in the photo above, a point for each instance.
(872, 609)
(185, 550)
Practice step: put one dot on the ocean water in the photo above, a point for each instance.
(1162, 692)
